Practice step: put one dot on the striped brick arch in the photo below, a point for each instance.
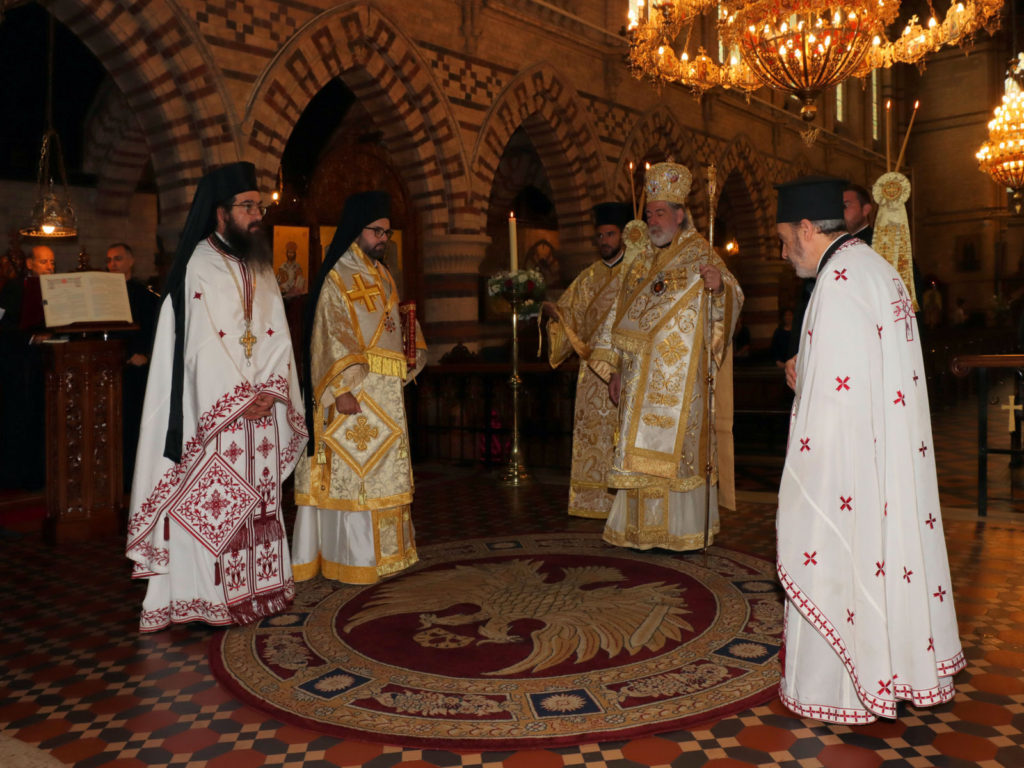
(540, 100)
(383, 68)
(169, 83)
(745, 177)
(655, 134)
(115, 151)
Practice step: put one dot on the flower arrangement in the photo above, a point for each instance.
(524, 287)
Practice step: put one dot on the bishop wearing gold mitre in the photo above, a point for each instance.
(653, 349)
(354, 488)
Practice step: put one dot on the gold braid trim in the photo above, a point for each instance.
(631, 481)
(636, 345)
(387, 363)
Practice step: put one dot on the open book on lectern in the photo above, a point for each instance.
(85, 297)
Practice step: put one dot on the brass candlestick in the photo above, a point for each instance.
(515, 473)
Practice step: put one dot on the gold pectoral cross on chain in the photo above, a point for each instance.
(364, 293)
(247, 341)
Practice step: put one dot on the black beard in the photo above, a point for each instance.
(378, 252)
(251, 246)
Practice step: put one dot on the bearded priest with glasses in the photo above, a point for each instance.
(354, 487)
(222, 422)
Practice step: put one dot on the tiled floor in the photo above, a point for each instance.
(79, 682)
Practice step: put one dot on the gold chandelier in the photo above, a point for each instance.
(800, 47)
(1002, 156)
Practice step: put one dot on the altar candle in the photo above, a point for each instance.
(512, 245)
(888, 106)
(632, 188)
(899, 158)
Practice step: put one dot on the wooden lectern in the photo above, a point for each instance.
(84, 490)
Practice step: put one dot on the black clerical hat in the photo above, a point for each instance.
(216, 187)
(815, 198)
(615, 214)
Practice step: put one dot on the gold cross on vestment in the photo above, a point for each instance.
(1012, 424)
(247, 341)
(364, 293)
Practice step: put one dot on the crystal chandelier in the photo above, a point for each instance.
(800, 47)
(1002, 156)
(52, 215)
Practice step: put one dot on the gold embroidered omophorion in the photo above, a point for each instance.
(581, 311)
(655, 339)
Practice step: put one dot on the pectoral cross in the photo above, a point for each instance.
(1012, 425)
(364, 293)
(247, 341)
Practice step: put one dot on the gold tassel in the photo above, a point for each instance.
(321, 454)
(387, 366)
(362, 495)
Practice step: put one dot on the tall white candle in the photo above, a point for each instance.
(513, 247)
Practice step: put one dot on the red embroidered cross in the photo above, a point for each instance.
(845, 503)
(270, 331)
(883, 687)
(221, 334)
(265, 447)
(885, 510)
(931, 645)
(907, 574)
(217, 504)
(915, 378)
(805, 444)
(930, 522)
(810, 558)
(903, 309)
(840, 274)
(843, 383)
(849, 616)
(810, 334)
(879, 329)
(941, 594)
(198, 295)
(923, 449)
(880, 568)
(233, 452)
(900, 399)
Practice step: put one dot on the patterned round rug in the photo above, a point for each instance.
(516, 642)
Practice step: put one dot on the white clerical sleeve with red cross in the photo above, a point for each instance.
(862, 557)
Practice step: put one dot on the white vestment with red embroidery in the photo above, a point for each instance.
(207, 532)
(861, 553)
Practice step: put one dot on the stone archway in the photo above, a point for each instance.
(383, 68)
(655, 132)
(170, 83)
(541, 102)
(115, 151)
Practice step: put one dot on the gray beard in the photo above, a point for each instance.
(662, 239)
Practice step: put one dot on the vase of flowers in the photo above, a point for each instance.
(523, 289)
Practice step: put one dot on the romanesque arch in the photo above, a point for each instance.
(656, 131)
(115, 151)
(541, 101)
(383, 68)
(741, 162)
(160, 63)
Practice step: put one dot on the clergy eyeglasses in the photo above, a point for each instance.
(251, 208)
(381, 232)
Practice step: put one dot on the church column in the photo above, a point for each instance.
(451, 277)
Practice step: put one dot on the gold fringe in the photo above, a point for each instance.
(387, 366)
